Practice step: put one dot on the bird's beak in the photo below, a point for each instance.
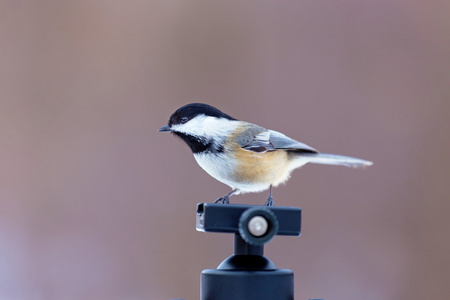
(165, 128)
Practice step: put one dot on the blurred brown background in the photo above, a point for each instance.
(96, 204)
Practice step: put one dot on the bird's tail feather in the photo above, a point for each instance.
(334, 159)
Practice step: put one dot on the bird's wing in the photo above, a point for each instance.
(281, 141)
(258, 139)
(254, 138)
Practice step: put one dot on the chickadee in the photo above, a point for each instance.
(242, 155)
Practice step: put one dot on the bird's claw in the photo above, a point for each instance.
(223, 200)
(269, 201)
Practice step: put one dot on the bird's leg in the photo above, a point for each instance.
(225, 199)
(269, 201)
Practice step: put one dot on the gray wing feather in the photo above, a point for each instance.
(281, 141)
(256, 139)
(259, 139)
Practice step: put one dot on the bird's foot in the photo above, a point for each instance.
(224, 200)
(269, 201)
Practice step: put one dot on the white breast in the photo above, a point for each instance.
(217, 166)
(222, 169)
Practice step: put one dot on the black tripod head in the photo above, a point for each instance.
(257, 225)
(247, 274)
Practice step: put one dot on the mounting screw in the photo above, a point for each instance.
(258, 226)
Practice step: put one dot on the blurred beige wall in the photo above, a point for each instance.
(95, 204)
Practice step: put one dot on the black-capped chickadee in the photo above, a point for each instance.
(244, 156)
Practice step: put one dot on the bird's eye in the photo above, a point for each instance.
(184, 120)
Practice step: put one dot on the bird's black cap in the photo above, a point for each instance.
(189, 111)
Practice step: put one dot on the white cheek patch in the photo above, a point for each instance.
(208, 127)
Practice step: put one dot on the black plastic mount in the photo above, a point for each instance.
(225, 218)
(248, 274)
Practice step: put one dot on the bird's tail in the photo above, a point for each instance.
(334, 159)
